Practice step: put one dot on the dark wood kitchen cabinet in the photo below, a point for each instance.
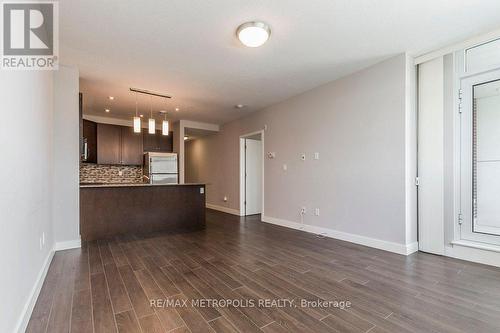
(89, 129)
(109, 144)
(158, 142)
(118, 145)
(131, 146)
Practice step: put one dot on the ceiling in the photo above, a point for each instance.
(188, 48)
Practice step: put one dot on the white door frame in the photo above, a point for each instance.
(242, 169)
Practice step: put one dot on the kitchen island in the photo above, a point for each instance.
(109, 210)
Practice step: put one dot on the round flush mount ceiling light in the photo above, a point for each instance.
(253, 34)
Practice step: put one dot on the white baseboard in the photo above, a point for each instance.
(35, 291)
(67, 245)
(357, 239)
(473, 253)
(224, 209)
(411, 248)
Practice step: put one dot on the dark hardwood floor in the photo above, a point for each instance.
(107, 286)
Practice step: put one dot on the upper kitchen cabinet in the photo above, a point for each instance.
(89, 129)
(118, 145)
(109, 144)
(131, 147)
(158, 142)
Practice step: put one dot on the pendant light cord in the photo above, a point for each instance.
(136, 105)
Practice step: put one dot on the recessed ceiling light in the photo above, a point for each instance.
(107, 110)
(111, 98)
(239, 106)
(177, 109)
(253, 34)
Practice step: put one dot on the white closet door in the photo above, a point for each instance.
(253, 181)
(431, 156)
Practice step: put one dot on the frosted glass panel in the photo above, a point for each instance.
(483, 57)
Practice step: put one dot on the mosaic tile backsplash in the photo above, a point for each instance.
(96, 173)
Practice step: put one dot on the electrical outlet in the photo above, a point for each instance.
(316, 212)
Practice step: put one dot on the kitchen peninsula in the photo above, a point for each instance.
(109, 210)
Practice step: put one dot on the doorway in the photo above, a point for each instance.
(252, 174)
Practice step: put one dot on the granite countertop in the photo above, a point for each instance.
(103, 185)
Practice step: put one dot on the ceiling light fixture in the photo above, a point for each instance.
(239, 106)
(111, 98)
(107, 110)
(177, 109)
(253, 34)
(137, 119)
(151, 122)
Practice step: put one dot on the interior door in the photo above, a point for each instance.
(480, 164)
(253, 179)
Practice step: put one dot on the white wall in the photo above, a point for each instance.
(66, 158)
(359, 126)
(26, 148)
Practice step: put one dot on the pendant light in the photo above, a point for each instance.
(152, 123)
(164, 125)
(137, 119)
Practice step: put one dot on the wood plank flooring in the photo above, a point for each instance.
(108, 285)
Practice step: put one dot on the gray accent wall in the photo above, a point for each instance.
(361, 125)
